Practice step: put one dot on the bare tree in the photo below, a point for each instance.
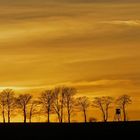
(22, 102)
(103, 103)
(46, 100)
(123, 101)
(83, 103)
(33, 109)
(58, 103)
(2, 105)
(9, 99)
(69, 93)
(62, 102)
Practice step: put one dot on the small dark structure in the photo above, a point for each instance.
(117, 116)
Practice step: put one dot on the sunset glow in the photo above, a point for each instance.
(93, 46)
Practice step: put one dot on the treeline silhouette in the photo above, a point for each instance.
(60, 101)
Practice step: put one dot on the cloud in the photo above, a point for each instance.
(68, 42)
(123, 22)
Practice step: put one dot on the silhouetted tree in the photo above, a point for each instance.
(103, 103)
(83, 103)
(69, 93)
(8, 96)
(62, 102)
(47, 101)
(58, 102)
(33, 109)
(22, 102)
(123, 101)
(2, 105)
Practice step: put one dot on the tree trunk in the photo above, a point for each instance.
(106, 116)
(31, 112)
(30, 117)
(59, 118)
(24, 111)
(48, 115)
(58, 115)
(3, 114)
(124, 113)
(103, 112)
(8, 114)
(61, 115)
(69, 117)
(62, 104)
(85, 116)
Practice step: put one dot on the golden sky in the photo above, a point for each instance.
(93, 46)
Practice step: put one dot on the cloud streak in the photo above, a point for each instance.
(125, 22)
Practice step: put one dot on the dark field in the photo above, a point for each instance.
(110, 130)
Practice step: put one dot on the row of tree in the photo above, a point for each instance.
(55, 101)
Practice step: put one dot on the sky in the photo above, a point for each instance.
(91, 45)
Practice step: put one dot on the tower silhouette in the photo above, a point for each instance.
(117, 116)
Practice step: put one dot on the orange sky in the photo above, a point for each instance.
(92, 46)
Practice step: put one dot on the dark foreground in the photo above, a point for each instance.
(110, 130)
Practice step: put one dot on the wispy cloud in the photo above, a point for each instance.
(123, 22)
